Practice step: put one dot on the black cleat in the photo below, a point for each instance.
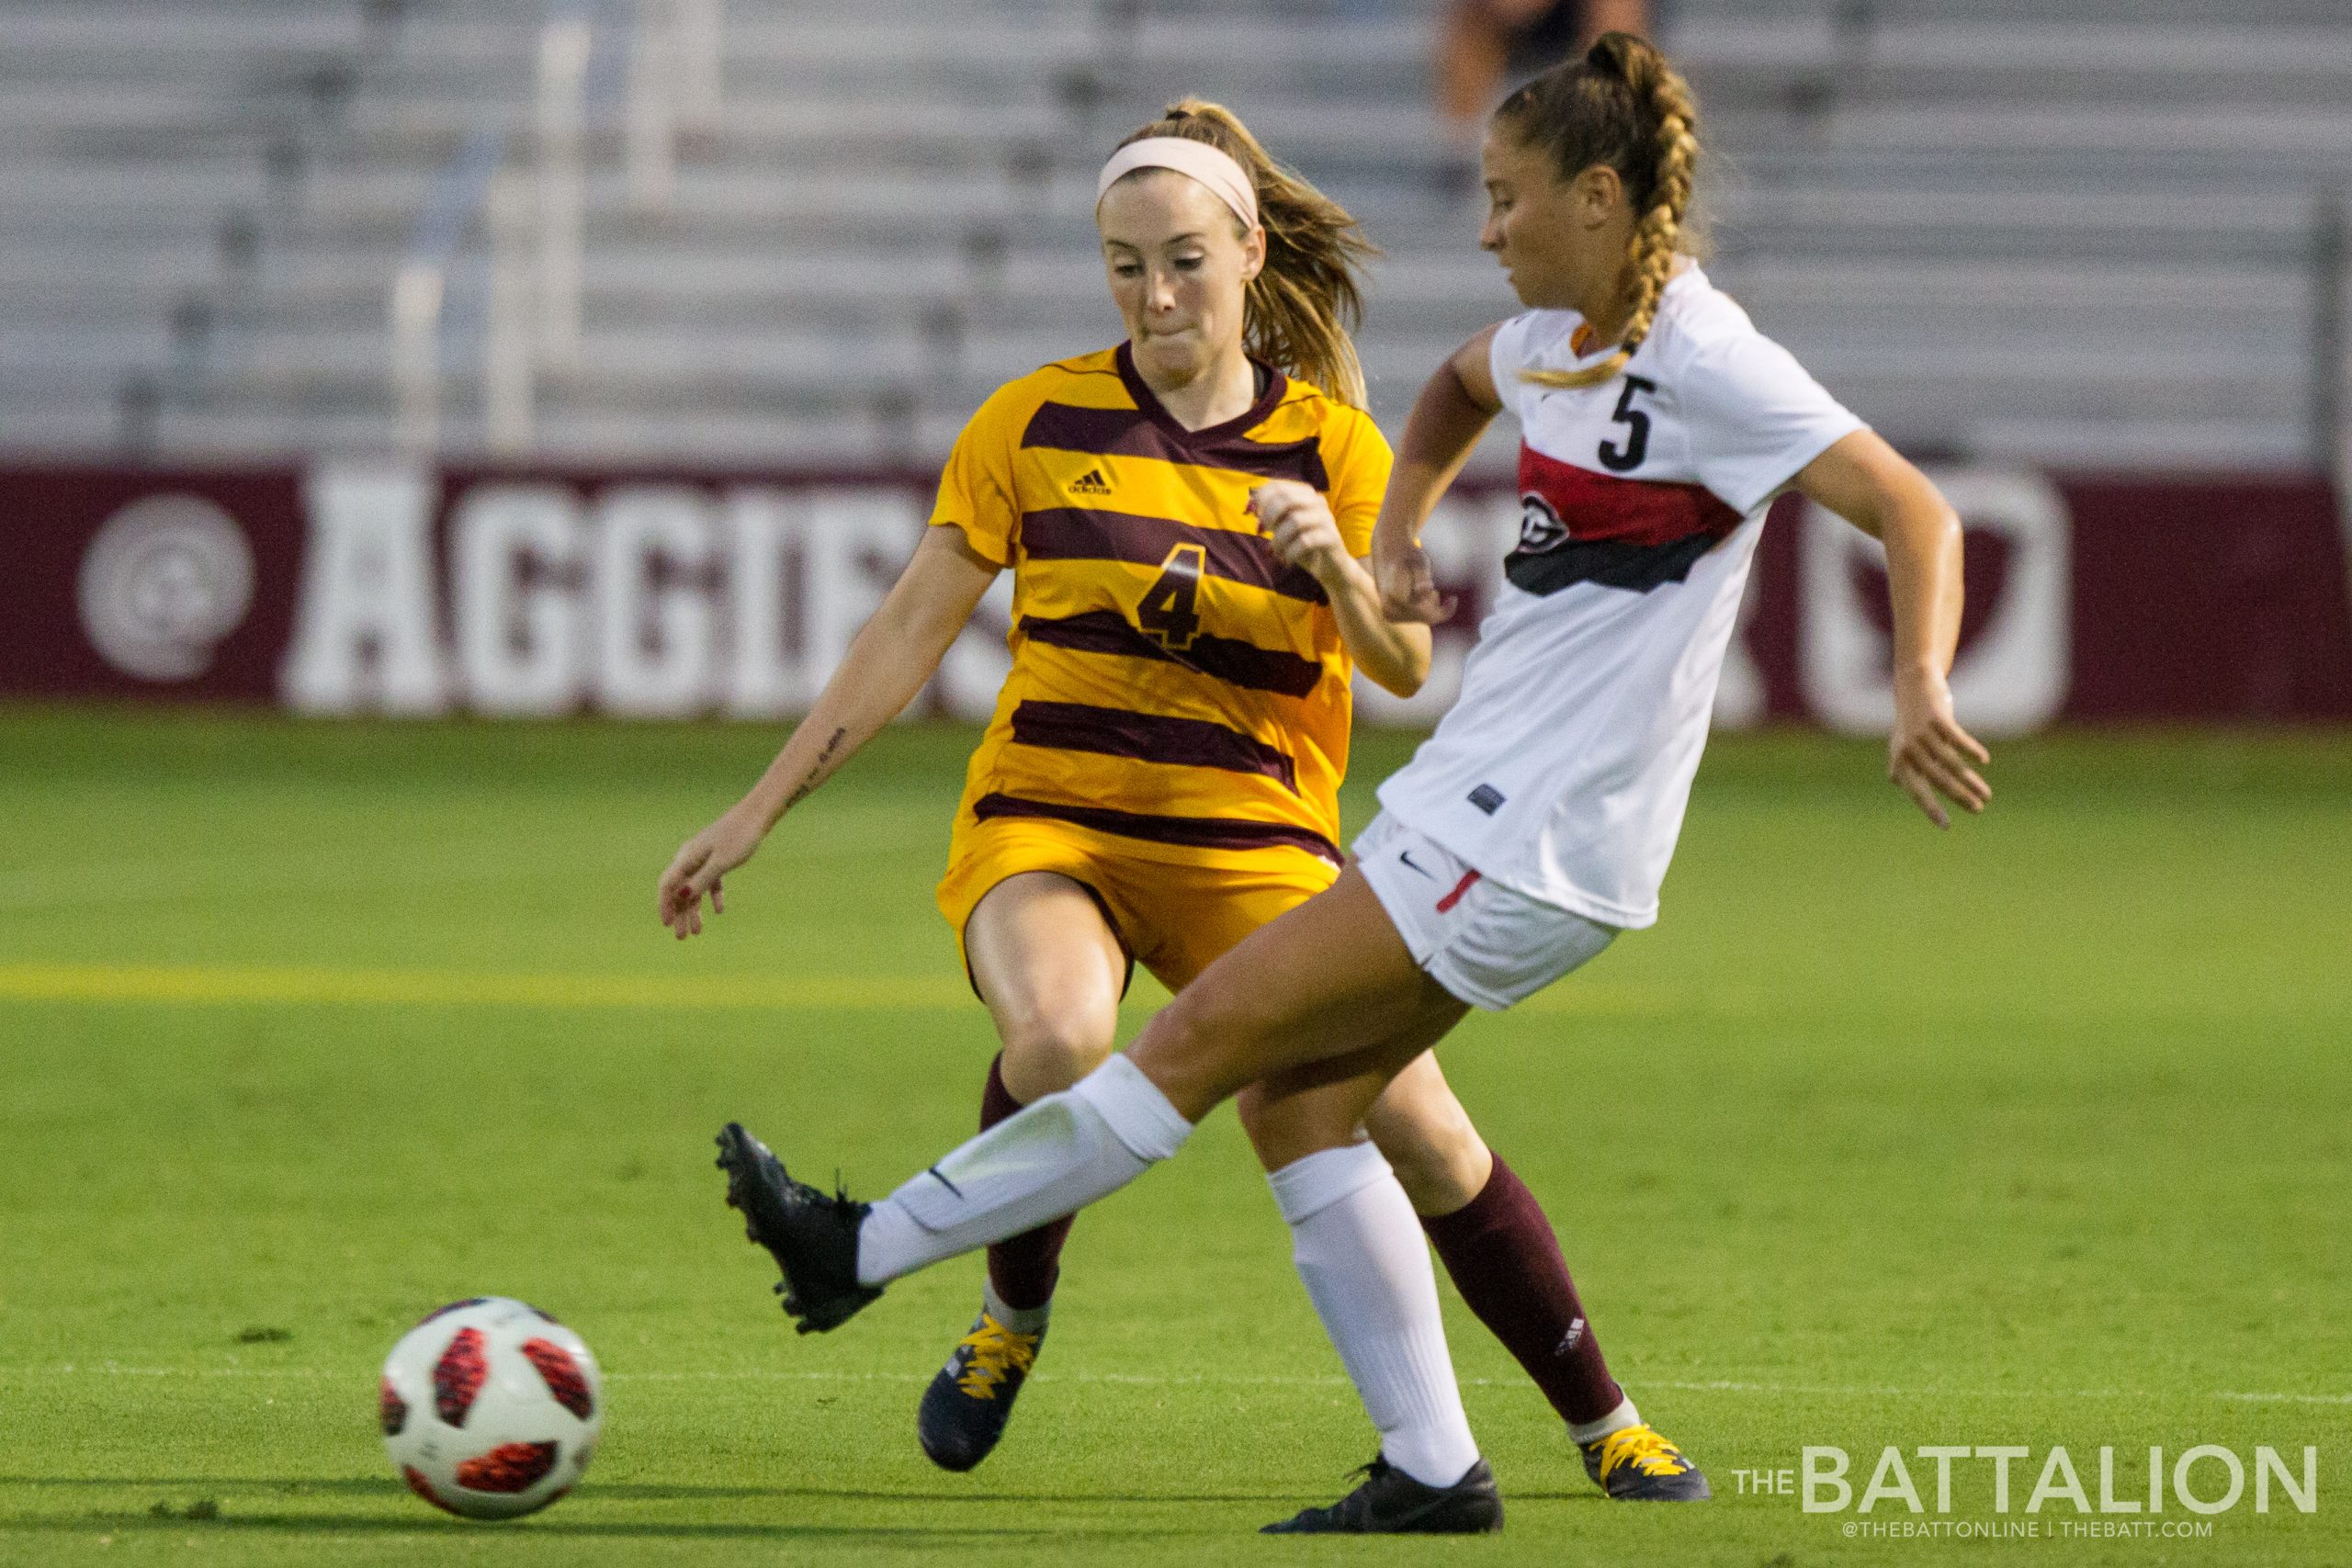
(1635, 1464)
(813, 1237)
(1392, 1503)
(965, 1407)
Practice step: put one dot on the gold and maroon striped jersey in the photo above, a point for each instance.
(1173, 683)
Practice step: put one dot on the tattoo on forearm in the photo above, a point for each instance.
(816, 770)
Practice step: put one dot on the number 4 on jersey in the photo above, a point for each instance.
(1169, 613)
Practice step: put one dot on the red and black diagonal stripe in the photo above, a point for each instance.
(1632, 533)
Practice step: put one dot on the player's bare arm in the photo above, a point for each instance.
(1866, 481)
(897, 649)
(1297, 521)
(1453, 410)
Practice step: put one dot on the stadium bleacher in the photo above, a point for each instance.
(2101, 231)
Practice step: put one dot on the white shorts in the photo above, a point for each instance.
(1484, 943)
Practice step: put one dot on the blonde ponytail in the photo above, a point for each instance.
(1624, 106)
(1302, 305)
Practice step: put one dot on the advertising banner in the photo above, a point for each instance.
(351, 587)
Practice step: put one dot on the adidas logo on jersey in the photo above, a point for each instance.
(1090, 484)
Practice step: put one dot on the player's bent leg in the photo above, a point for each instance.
(1275, 1002)
(1505, 1259)
(1295, 994)
(1050, 969)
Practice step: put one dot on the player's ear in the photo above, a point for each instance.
(1595, 194)
(1253, 252)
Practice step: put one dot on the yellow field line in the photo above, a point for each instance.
(193, 984)
(198, 984)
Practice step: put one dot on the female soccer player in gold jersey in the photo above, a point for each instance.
(1186, 516)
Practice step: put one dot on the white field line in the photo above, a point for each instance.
(1154, 1380)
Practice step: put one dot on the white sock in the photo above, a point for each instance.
(1020, 1320)
(1624, 1416)
(1360, 1252)
(1046, 1160)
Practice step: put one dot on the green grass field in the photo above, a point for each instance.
(2039, 1133)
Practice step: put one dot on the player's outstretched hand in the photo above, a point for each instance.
(1930, 755)
(1298, 521)
(700, 863)
(1408, 588)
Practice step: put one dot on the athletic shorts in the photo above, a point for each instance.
(1483, 942)
(1175, 919)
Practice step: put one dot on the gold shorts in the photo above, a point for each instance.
(1173, 918)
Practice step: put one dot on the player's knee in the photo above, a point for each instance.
(1440, 1160)
(1186, 1053)
(1265, 1134)
(1274, 1127)
(1285, 1127)
(1045, 1056)
(1184, 1028)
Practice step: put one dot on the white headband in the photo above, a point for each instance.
(1196, 160)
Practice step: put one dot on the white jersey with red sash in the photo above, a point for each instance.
(1563, 770)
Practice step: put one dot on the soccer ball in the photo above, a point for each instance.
(490, 1408)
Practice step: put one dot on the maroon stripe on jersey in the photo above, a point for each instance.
(1084, 533)
(1200, 832)
(1132, 433)
(1235, 662)
(1638, 512)
(1149, 738)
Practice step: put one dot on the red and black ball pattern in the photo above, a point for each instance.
(391, 1410)
(509, 1467)
(453, 1307)
(424, 1488)
(458, 1375)
(561, 1374)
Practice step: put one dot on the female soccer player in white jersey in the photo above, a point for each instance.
(1162, 775)
(1534, 825)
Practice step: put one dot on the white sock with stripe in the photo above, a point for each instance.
(1046, 1160)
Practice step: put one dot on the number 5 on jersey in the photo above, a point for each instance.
(1626, 459)
(1169, 613)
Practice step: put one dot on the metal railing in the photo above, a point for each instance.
(532, 210)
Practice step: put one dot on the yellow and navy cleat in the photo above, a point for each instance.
(1634, 1464)
(965, 1409)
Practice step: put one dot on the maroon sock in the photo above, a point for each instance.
(1507, 1264)
(1022, 1268)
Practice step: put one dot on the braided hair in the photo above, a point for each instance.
(1624, 106)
